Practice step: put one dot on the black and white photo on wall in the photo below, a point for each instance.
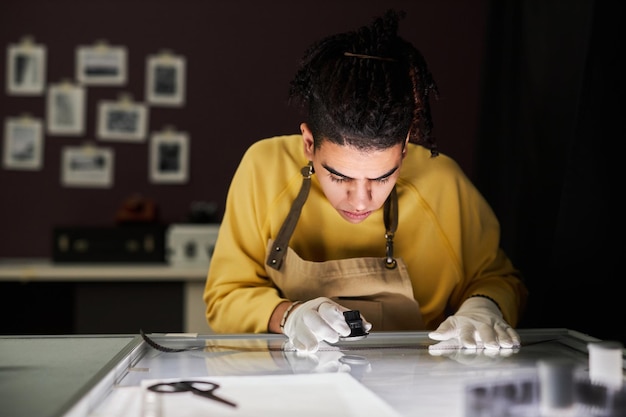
(165, 80)
(26, 68)
(87, 166)
(101, 64)
(122, 120)
(169, 157)
(23, 143)
(65, 108)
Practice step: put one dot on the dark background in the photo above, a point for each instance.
(241, 56)
(530, 107)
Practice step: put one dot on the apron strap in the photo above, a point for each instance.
(278, 252)
(390, 216)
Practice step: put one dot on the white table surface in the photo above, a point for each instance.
(84, 376)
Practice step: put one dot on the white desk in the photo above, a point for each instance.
(193, 279)
(84, 376)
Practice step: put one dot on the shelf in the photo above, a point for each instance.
(25, 270)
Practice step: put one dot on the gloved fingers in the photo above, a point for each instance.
(305, 340)
(469, 337)
(507, 336)
(488, 335)
(446, 330)
(367, 326)
(334, 317)
(321, 329)
(472, 357)
(440, 348)
(515, 339)
(305, 328)
(500, 337)
(506, 352)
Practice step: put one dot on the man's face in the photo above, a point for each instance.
(356, 182)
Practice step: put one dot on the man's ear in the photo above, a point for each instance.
(406, 145)
(307, 141)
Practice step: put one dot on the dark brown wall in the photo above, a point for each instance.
(240, 57)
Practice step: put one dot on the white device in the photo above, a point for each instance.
(191, 245)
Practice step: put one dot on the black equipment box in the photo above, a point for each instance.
(119, 244)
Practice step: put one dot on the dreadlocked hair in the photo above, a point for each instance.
(367, 88)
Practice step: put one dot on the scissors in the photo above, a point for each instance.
(202, 388)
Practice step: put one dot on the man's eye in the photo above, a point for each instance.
(337, 179)
(383, 180)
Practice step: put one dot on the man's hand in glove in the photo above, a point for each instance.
(477, 324)
(316, 320)
(473, 357)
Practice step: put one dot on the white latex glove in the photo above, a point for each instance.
(477, 324)
(316, 320)
(473, 357)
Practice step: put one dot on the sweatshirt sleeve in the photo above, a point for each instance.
(239, 296)
(488, 270)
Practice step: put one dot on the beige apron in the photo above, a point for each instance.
(380, 288)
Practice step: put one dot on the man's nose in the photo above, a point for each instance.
(360, 194)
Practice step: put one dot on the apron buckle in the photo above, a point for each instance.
(390, 263)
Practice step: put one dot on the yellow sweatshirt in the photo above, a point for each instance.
(447, 235)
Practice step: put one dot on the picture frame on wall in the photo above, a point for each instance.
(23, 143)
(101, 64)
(169, 157)
(26, 69)
(87, 166)
(122, 120)
(65, 109)
(165, 80)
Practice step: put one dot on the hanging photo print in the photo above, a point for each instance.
(169, 157)
(26, 68)
(165, 80)
(87, 166)
(23, 143)
(101, 64)
(122, 120)
(66, 109)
